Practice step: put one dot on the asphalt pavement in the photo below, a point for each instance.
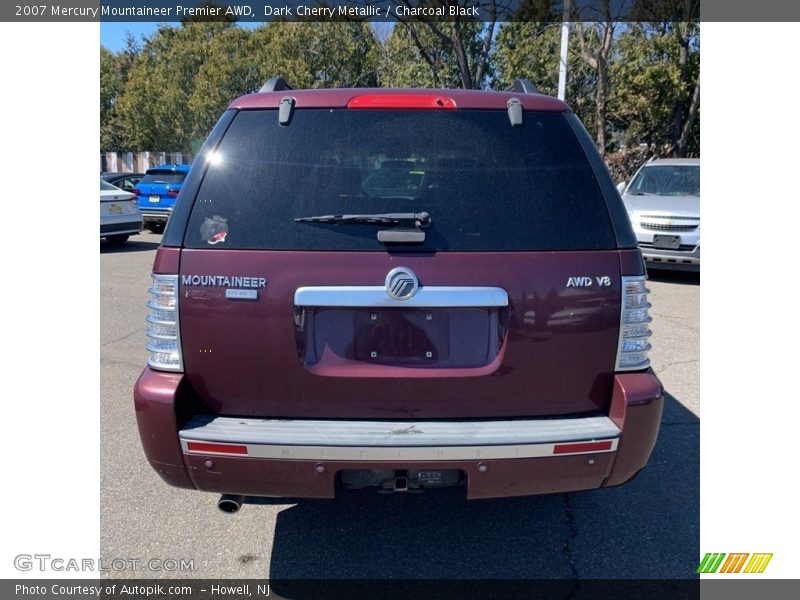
(649, 528)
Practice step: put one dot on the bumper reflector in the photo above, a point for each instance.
(582, 447)
(217, 448)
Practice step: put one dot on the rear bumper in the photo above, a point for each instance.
(688, 260)
(155, 216)
(128, 227)
(301, 458)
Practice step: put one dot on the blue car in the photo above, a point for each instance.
(157, 192)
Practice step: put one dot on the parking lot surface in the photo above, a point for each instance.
(648, 528)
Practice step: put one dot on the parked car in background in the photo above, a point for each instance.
(663, 203)
(157, 192)
(119, 214)
(398, 289)
(124, 181)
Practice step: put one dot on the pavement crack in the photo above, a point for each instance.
(572, 533)
(680, 318)
(119, 339)
(678, 362)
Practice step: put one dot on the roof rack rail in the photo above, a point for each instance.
(276, 84)
(523, 86)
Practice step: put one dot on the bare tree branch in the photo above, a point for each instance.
(480, 71)
(687, 126)
(423, 52)
(461, 56)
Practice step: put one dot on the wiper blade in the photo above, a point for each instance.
(421, 220)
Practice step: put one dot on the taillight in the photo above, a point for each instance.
(172, 193)
(164, 344)
(634, 329)
(134, 201)
(137, 191)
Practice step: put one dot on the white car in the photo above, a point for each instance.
(663, 203)
(119, 214)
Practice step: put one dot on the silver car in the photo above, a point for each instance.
(119, 214)
(663, 203)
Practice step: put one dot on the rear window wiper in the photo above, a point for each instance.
(421, 220)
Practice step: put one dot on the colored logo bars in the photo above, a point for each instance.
(713, 563)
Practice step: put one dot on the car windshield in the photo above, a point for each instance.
(667, 180)
(163, 177)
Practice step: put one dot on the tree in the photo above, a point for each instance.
(648, 79)
(680, 19)
(596, 43)
(415, 56)
(456, 53)
(317, 55)
(650, 99)
(531, 50)
(114, 72)
(685, 113)
(111, 86)
(184, 77)
(227, 73)
(631, 84)
(154, 108)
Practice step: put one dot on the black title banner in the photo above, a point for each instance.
(161, 11)
(397, 589)
(325, 589)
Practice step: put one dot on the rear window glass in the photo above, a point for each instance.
(163, 177)
(487, 185)
(105, 186)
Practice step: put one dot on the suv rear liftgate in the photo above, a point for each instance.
(398, 289)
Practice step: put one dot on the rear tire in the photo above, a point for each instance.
(117, 240)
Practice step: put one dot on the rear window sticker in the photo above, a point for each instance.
(214, 230)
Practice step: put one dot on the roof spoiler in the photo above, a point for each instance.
(523, 86)
(276, 84)
(520, 86)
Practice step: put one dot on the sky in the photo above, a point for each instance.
(112, 35)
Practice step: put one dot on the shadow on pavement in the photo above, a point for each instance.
(648, 528)
(667, 276)
(132, 245)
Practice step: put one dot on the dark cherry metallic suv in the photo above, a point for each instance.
(398, 289)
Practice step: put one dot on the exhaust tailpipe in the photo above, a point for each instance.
(230, 503)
